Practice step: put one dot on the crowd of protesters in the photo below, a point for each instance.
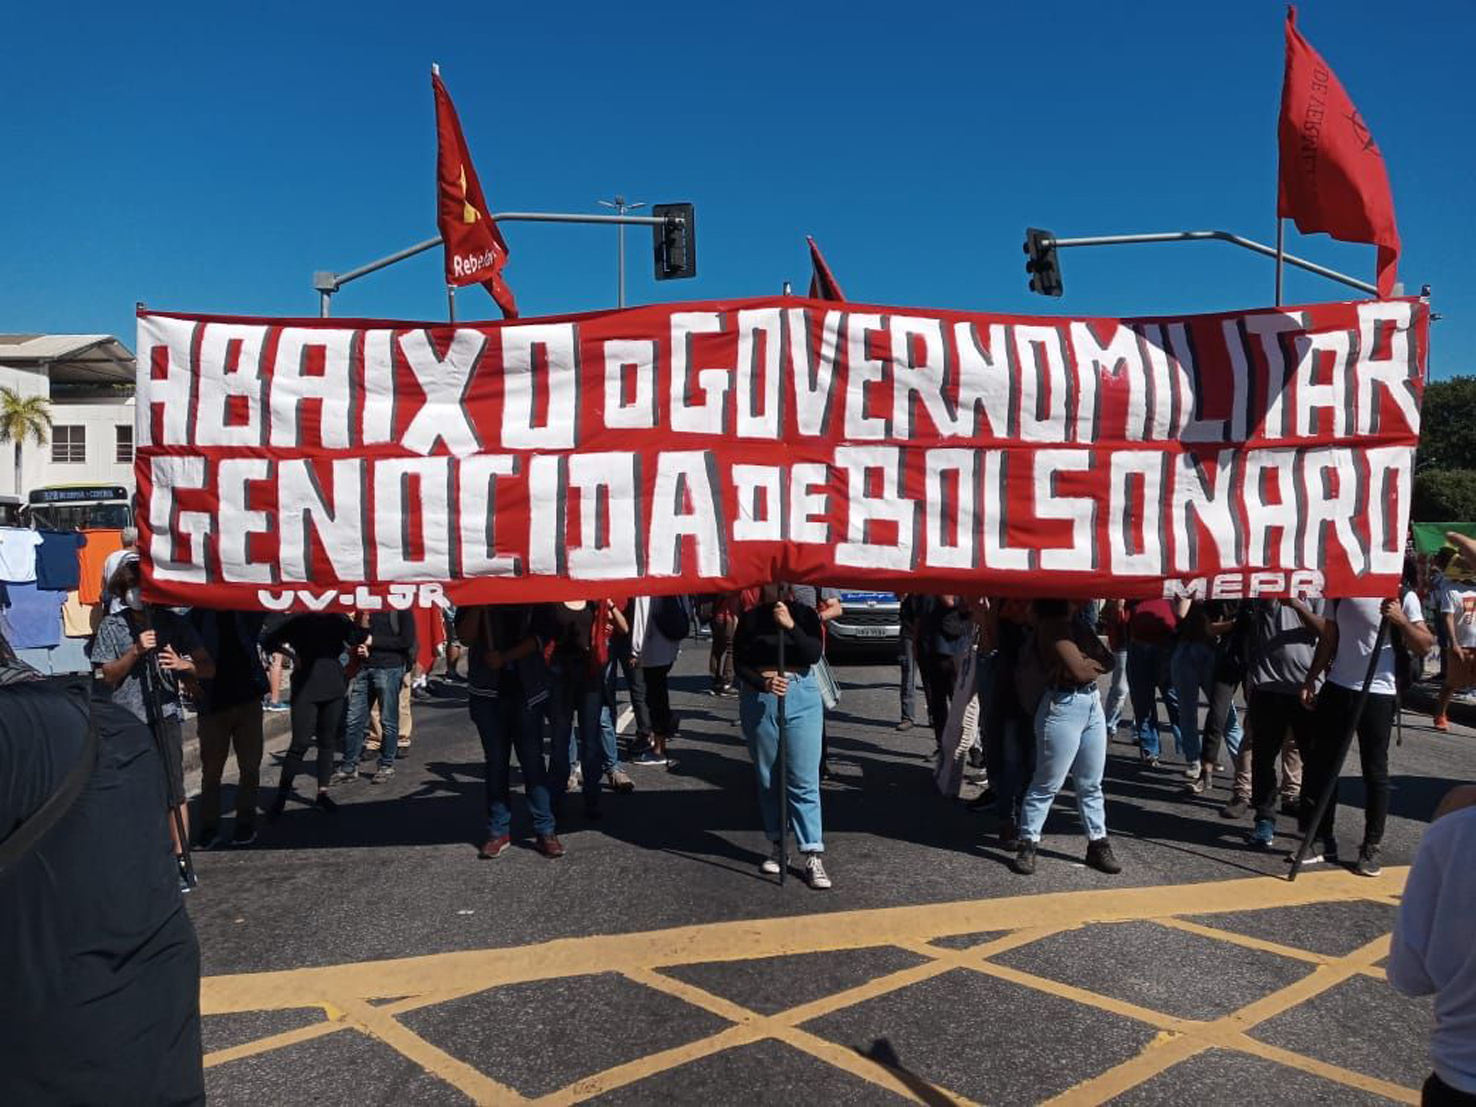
(1260, 691)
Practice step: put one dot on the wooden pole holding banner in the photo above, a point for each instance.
(1330, 788)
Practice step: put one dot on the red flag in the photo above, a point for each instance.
(475, 251)
(822, 281)
(1332, 175)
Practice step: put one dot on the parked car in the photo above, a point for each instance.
(867, 619)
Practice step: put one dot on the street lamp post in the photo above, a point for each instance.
(621, 207)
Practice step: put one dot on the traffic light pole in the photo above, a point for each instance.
(1217, 236)
(327, 283)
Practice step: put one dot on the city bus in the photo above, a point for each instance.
(79, 507)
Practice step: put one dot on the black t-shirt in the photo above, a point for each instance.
(234, 682)
(100, 981)
(567, 629)
(319, 642)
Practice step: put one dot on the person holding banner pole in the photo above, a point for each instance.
(1360, 697)
(774, 649)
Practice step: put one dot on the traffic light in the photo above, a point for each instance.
(1044, 269)
(675, 240)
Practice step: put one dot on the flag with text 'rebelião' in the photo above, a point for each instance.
(1332, 176)
(475, 251)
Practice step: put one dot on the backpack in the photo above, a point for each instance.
(669, 617)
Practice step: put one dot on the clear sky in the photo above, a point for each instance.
(199, 158)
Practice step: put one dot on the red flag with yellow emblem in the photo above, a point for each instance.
(475, 251)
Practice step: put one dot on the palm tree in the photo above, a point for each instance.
(23, 417)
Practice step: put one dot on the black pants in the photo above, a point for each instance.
(1335, 708)
(907, 662)
(939, 671)
(1212, 734)
(1271, 714)
(1437, 1093)
(312, 722)
(649, 697)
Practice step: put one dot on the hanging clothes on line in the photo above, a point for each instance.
(18, 547)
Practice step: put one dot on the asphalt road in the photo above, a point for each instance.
(395, 875)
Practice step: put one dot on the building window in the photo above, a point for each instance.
(125, 444)
(69, 445)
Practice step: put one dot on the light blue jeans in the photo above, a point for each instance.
(1070, 738)
(1117, 691)
(1193, 672)
(804, 716)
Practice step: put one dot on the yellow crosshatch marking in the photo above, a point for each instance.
(345, 992)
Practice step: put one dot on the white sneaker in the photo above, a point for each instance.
(1192, 772)
(815, 872)
(770, 864)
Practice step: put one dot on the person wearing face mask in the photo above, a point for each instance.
(764, 686)
(140, 643)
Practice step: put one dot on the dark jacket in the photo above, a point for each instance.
(394, 640)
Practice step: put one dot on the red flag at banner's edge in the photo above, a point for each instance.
(1332, 178)
(823, 284)
(475, 250)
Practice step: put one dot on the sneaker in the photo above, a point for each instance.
(905, 724)
(1197, 786)
(1264, 835)
(729, 692)
(495, 847)
(1368, 861)
(209, 838)
(619, 781)
(815, 872)
(770, 864)
(576, 781)
(1024, 860)
(1099, 856)
(648, 757)
(1193, 771)
(1442, 722)
(185, 887)
(402, 751)
(245, 835)
(1291, 805)
(550, 846)
(1327, 853)
(276, 707)
(1148, 759)
(344, 775)
(325, 804)
(1235, 809)
(383, 776)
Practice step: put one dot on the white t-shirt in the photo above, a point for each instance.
(1461, 603)
(18, 554)
(1358, 626)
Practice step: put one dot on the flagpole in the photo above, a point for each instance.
(1280, 253)
(451, 303)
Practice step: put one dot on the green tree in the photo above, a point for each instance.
(1448, 424)
(23, 417)
(1444, 496)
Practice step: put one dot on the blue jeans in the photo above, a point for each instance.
(383, 686)
(608, 737)
(1193, 670)
(1070, 737)
(803, 721)
(1117, 691)
(505, 724)
(1147, 673)
(575, 695)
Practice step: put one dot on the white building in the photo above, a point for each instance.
(89, 381)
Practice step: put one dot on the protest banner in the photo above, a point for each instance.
(334, 464)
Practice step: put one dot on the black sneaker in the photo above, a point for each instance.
(1099, 856)
(383, 776)
(1237, 808)
(325, 804)
(1024, 859)
(1319, 853)
(1291, 806)
(1368, 862)
(209, 838)
(245, 835)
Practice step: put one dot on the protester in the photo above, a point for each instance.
(1281, 639)
(1151, 626)
(1070, 732)
(383, 661)
(319, 643)
(1438, 584)
(143, 652)
(1347, 645)
(507, 684)
(767, 689)
(942, 636)
(907, 660)
(1457, 620)
(276, 667)
(230, 719)
(657, 627)
(1433, 951)
(724, 609)
(575, 639)
(1204, 662)
(1008, 728)
(100, 982)
(826, 603)
(128, 552)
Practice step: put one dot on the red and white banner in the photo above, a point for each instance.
(309, 463)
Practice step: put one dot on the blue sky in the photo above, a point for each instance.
(199, 158)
